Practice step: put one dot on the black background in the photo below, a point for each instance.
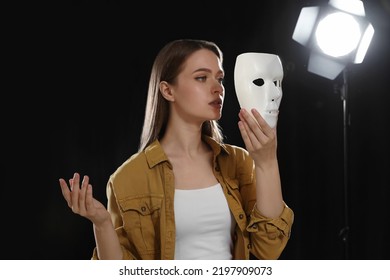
(77, 104)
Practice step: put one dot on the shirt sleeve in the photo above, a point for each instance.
(269, 237)
(116, 217)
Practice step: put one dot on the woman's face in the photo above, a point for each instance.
(258, 82)
(198, 93)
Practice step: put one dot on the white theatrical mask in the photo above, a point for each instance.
(258, 83)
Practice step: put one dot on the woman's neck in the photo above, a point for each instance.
(184, 141)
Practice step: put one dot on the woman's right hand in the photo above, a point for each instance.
(81, 200)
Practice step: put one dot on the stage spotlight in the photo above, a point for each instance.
(337, 34)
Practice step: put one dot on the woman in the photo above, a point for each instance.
(186, 194)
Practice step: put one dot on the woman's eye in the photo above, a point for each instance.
(202, 78)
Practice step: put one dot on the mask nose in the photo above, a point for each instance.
(273, 90)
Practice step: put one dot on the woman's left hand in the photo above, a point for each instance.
(259, 138)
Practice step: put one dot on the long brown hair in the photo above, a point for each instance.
(166, 67)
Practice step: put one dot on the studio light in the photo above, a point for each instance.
(337, 34)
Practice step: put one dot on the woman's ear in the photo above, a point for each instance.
(166, 92)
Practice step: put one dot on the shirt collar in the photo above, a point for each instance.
(215, 146)
(155, 154)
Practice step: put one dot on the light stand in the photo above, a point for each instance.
(337, 34)
(344, 232)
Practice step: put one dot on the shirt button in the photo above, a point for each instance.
(143, 208)
(241, 216)
(249, 246)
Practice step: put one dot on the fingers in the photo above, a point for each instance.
(79, 198)
(82, 196)
(254, 129)
(244, 134)
(89, 198)
(65, 191)
(75, 190)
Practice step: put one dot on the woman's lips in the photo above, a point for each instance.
(216, 103)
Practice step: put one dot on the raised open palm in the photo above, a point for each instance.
(80, 199)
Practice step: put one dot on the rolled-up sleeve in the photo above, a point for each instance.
(268, 237)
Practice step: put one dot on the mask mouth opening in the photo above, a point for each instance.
(272, 112)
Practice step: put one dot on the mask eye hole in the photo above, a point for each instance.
(259, 82)
(277, 83)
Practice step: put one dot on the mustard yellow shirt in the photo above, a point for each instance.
(140, 197)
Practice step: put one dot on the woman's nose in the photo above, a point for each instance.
(218, 88)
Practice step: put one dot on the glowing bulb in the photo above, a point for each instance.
(338, 34)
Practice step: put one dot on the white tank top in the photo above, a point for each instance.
(204, 224)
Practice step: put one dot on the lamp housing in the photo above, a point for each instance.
(337, 34)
